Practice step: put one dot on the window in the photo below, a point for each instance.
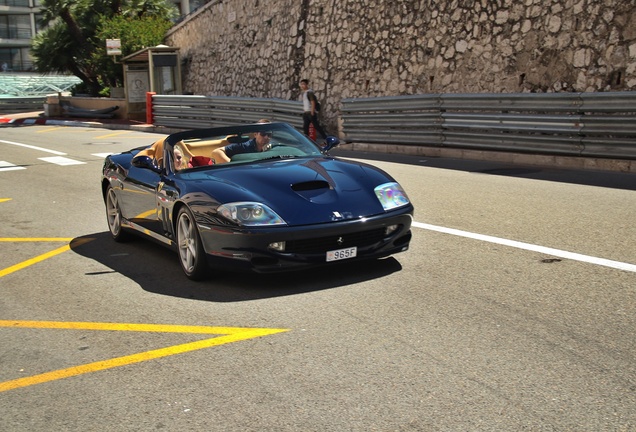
(21, 3)
(39, 23)
(16, 59)
(15, 27)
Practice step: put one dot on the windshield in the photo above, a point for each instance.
(238, 144)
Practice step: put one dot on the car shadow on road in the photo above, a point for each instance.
(156, 269)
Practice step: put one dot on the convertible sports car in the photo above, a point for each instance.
(280, 203)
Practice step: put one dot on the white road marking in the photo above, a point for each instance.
(531, 247)
(101, 155)
(33, 147)
(6, 166)
(59, 160)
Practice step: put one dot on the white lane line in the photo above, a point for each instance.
(7, 166)
(33, 147)
(59, 160)
(101, 155)
(531, 247)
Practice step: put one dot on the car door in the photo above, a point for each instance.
(167, 194)
(139, 197)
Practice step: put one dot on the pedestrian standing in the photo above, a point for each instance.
(311, 107)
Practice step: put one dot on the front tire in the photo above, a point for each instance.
(191, 253)
(114, 217)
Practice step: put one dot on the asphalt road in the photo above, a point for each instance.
(514, 309)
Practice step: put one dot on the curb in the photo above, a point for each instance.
(626, 166)
(47, 121)
(24, 121)
(6, 121)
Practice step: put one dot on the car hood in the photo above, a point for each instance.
(301, 191)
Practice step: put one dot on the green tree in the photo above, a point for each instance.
(75, 39)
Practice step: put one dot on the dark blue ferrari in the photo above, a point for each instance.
(261, 197)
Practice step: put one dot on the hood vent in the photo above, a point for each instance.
(314, 185)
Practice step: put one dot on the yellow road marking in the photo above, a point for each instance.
(145, 328)
(51, 129)
(230, 334)
(112, 134)
(4, 199)
(39, 258)
(35, 239)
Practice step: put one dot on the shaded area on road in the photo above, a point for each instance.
(608, 179)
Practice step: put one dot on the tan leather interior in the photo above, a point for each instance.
(203, 148)
(189, 149)
(155, 151)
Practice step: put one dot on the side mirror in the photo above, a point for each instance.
(330, 142)
(145, 162)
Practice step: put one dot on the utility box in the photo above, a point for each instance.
(156, 69)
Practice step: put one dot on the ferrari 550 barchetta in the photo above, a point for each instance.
(259, 197)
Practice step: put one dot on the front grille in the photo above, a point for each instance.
(324, 244)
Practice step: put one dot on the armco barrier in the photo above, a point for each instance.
(571, 124)
(12, 105)
(209, 111)
(601, 125)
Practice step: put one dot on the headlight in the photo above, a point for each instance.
(249, 213)
(391, 195)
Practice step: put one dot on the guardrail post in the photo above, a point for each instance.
(149, 117)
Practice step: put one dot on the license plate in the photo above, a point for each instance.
(341, 254)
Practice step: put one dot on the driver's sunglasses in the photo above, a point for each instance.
(268, 134)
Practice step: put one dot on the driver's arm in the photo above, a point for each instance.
(219, 156)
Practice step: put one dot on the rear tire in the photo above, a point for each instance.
(191, 253)
(114, 217)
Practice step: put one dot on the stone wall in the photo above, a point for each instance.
(355, 48)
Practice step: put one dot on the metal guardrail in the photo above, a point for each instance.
(574, 124)
(11, 105)
(197, 112)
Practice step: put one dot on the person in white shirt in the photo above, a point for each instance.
(310, 109)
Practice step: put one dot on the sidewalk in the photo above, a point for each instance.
(37, 118)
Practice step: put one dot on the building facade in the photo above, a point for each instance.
(20, 21)
(18, 25)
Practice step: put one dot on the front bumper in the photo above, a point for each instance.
(305, 246)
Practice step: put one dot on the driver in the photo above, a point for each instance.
(259, 143)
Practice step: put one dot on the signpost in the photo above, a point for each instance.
(113, 47)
